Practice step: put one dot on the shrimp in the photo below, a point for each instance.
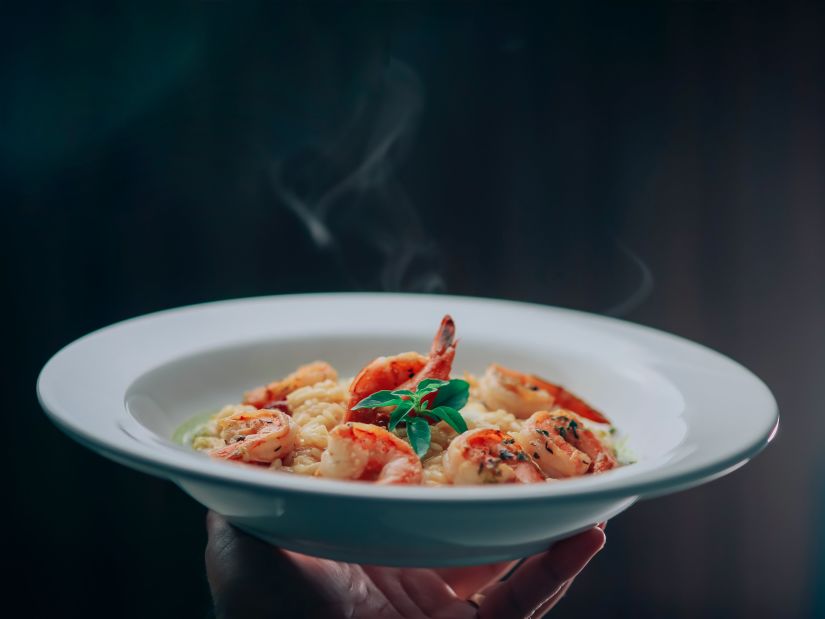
(562, 446)
(369, 453)
(524, 394)
(274, 394)
(402, 371)
(256, 436)
(488, 456)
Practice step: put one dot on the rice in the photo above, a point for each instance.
(478, 416)
(328, 392)
(440, 436)
(206, 443)
(304, 461)
(316, 409)
(433, 474)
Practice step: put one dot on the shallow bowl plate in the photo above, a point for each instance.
(689, 414)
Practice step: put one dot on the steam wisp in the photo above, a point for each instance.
(364, 216)
(641, 292)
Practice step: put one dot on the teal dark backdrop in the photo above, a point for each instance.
(664, 164)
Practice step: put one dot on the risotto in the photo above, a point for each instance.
(404, 420)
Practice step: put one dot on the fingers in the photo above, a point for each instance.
(240, 570)
(230, 554)
(467, 580)
(549, 603)
(541, 577)
(416, 593)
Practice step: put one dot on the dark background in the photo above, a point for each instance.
(664, 164)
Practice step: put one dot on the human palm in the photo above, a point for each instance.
(250, 578)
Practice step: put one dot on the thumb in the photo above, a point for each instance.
(248, 577)
(541, 577)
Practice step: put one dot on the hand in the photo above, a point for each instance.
(250, 578)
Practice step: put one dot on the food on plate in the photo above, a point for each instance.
(488, 455)
(524, 394)
(256, 436)
(563, 446)
(401, 372)
(274, 394)
(370, 453)
(404, 420)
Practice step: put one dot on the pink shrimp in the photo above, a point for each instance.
(274, 394)
(256, 437)
(562, 446)
(488, 456)
(368, 453)
(524, 394)
(402, 371)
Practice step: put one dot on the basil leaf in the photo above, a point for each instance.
(428, 385)
(451, 416)
(405, 392)
(454, 394)
(436, 414)
(418, 433)
(400, 412)
(377, 399)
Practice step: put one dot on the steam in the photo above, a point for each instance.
(347, 195)
(361, 215)
(641, 292)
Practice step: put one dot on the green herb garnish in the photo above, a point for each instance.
(412, 409)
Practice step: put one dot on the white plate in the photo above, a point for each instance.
(691, 415)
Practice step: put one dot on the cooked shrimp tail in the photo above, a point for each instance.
(442, 353)
(569, 401)
(445, 338)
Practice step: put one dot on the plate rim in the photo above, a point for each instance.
(163, 465)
